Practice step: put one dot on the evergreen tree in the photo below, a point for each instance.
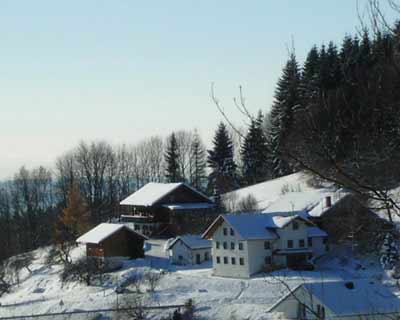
(220, 160)
(172, 173)
(287, 101)
(198, 163)
(310, 77)
(254, 153)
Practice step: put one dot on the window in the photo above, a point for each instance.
(233, 260)
(301, 243)
(217, 245)
(180, 258)
(218, 260)
(321, 312)
(241, 261)
(295, 225)
(240, 245)
(267, 245)
(268, 260)
(225, 245)
(232, 232)
(225, 231)
(290, 243)
(232, 246)
(309, 242)
(325, 240)
(137, 227)
(302, 310)
(225, 260)
(206, 256)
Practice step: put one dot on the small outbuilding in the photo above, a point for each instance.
(113, 240)
(359, 299)
(189, 250)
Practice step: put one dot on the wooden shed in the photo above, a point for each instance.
(113, 240)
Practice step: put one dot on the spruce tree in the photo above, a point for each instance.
(254, 153)
(310, 77)
(198, 163)
(171, 156)
(220, 160)
(287, 101)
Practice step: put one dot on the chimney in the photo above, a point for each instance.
(349, 285)
(328, 202)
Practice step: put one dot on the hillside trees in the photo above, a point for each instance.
(287, 101)
(172, 170)
(223, 175)
(198, 175)
(254, 153)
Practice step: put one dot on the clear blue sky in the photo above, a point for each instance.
(125, 70)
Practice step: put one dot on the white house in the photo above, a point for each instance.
(245, 244)
(360, 299)
(189, 249)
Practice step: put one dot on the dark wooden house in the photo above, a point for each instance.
(113, 240)
(350, 220)
(167, 209)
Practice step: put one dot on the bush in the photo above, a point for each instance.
(5, 286)
(86, 270)
(153, 280)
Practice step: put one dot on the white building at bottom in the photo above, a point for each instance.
(358, 300)
(245, 244)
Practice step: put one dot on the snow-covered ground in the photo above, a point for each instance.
(215, 298)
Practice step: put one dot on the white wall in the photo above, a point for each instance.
(188, 255)
(290, 306)
(257, 254)
(287, 233)
(229, 270)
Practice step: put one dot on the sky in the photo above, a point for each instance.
(122, 71)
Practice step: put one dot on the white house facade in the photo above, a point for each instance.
(358, 299)
(189, 250)
(245, 244)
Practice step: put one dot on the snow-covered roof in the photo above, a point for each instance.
(102, 232)
(252, 226)
(288, 193)
(152, 192)
(366, 297)
(188, 206)
(313, 232)
(192, 241)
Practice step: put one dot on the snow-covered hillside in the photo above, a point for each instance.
(288, 193)
(215, 298)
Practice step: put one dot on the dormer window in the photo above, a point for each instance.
(295, 225)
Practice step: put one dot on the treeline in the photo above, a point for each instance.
(338, 114)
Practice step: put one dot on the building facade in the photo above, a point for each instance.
(167, 209)
(245, 244)
(189, 250)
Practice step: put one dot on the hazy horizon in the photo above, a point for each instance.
(122, 71)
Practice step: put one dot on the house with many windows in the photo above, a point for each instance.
(245, 244)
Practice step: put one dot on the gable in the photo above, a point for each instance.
(165, 193)
(183, 194)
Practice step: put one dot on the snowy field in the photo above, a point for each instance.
(215, 298)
